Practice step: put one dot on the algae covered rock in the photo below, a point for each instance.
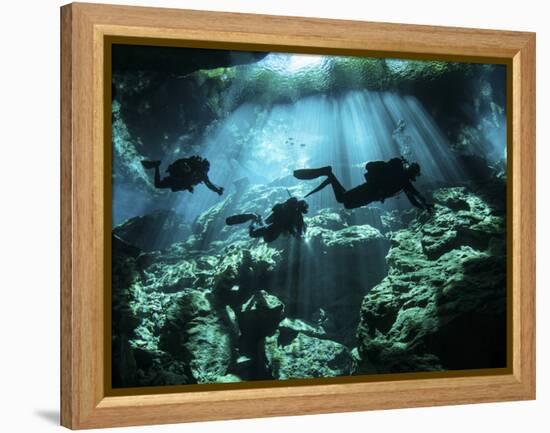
(124, 319)
(289, 329)
(154, 231)
(163, 274)
(262, 313)
(445, 309)
(195, 334)
(221, 306)
(462, 218)
(307, 357)
(258, 317)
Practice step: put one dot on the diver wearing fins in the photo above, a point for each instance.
(286, 218)
(184, 174)
(384, 179)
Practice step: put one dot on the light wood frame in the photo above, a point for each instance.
(84, 403)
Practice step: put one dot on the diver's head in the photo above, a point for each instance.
(303, 206)
(413, 170)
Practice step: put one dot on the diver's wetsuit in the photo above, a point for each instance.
(286, 218)
(184, 174)
(383, 180)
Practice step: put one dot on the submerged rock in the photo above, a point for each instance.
(443, 303)
(462, 219)
(195, 334)
(403, 296)
(124, 319)
(258, 318)
(154, 231)
(262, 313)
(308, 357)
(289, 328)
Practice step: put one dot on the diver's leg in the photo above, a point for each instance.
(243, 218)
(256, 232)
(312, 173)
(359, 196)
(161, 183)
(150, 164)
(157, 177)
(339, 190)
(271, 233)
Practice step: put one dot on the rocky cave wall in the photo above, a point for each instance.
(408, 291)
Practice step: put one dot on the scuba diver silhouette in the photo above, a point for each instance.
(184, 174)
(285, 218)
(383, 180)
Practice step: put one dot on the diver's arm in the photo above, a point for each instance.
(211, 186)
(412, 198)
(416, 198)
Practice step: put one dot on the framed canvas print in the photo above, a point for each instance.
(269, 216)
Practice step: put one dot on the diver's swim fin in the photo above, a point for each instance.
(312, 173)
(325, 183)
(241, 219)
(150, 164)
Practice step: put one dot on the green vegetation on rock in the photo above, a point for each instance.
(446, 284)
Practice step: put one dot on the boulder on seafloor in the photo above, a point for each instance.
(155, 231)
(440, 308)
(261, 314)
(257, 318)
(242, 268)
(289, 328)
(195, 334)
(124, 319)
(462, 218)
(175, 269)
(307, 357)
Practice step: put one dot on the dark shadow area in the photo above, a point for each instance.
(49, 415)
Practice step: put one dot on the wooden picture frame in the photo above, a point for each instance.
(85, 28)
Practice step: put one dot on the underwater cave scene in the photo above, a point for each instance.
(289, 216)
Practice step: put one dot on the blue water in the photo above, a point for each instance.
(265, 142)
